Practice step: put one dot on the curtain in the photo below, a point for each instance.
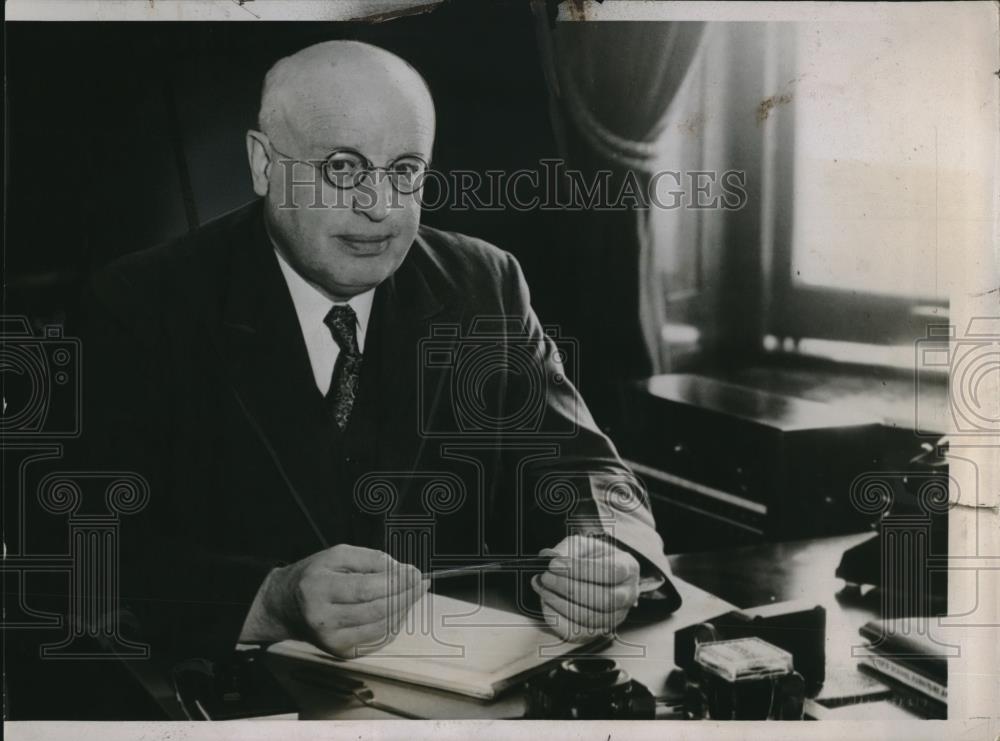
(614, 83)
(618, 79)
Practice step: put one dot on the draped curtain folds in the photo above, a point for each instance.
(614, 82)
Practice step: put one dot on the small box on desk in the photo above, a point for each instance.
(737, 465)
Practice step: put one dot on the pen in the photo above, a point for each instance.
(522, 564)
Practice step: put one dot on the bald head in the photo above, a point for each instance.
(317, 103)
(328, 90)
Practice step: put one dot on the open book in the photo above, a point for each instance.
(453, 645)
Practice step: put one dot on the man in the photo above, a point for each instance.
(266, 374)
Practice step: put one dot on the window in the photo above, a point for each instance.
(867, 165)
(880, 174)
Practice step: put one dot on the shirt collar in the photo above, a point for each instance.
(312, 305)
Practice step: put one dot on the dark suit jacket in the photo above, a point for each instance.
(465, 430)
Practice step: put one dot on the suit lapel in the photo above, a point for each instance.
(272, 379)
(408, 304)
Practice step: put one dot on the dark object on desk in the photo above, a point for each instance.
(905, 646)
(748, 679)
(910, 662)
(914, 508)
(861, 565)
(743, 690)
(904, 694)
(588, 689)
(727, 464)
(240, 687)
(795, 627)
(660, 602)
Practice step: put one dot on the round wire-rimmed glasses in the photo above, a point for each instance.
(346, 168)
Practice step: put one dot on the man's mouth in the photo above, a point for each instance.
(366, 243)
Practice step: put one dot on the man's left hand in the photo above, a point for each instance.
(589, 587)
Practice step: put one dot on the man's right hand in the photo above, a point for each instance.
(342, 599)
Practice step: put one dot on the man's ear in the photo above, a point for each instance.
(260, 161)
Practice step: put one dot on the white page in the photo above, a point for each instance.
(451, 644)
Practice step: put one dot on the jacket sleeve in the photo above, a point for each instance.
(585, 487)
(188, 599)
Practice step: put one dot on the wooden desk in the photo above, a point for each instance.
(709, 583)
(645, 650)
(797, 570)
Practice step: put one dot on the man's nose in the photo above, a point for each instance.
(374, 196)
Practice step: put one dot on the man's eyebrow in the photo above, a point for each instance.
(421, 155)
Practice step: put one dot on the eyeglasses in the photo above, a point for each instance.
(346, 168)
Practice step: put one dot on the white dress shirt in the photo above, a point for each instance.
(311, 307)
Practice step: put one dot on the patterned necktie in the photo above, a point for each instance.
(344, 383)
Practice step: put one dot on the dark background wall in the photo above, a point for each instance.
(123, 135)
